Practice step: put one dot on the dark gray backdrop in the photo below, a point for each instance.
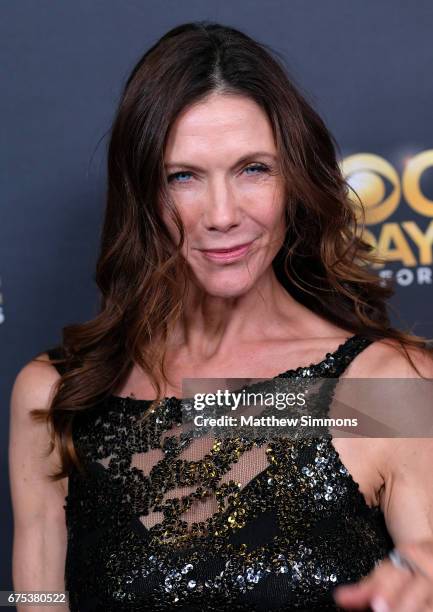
(366, 65)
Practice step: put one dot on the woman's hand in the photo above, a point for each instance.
(389, 588)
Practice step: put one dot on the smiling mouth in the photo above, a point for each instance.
(228, 254)
(228, 250)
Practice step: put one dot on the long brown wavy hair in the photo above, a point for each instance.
(324, 263)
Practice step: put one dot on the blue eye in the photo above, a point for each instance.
(260, 167)
(175, 175)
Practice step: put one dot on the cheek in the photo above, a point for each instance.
(188, 223)
(183, 214)
(269, 210)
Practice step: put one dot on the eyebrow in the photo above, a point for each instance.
(243, 159)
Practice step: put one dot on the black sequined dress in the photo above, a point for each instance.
(161, 522)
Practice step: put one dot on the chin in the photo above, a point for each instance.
(227, 288)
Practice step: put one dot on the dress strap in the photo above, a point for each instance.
(347, 353)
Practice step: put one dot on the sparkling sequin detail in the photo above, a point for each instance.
(245, 524)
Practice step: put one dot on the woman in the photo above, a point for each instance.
(229, 247)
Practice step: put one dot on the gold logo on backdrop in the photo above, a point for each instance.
(382, 190)
(411, 183)
(365, 172)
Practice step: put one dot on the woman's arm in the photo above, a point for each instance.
(39, 547)
(407, 503)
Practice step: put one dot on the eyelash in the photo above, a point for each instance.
(261, 167)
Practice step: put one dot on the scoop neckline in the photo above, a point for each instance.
(291, 371)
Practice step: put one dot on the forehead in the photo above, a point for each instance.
(220, 124)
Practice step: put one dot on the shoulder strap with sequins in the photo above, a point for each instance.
(355, 345)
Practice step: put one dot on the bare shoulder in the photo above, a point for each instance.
(34, 384)
(33, 388)
(386, 359)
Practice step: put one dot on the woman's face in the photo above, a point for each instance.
(222, 168)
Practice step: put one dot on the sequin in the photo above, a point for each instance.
(192, 533)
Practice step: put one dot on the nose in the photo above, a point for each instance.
(222, 207)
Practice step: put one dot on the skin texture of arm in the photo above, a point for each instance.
(40, 537)
(408, 493)
(407, 503)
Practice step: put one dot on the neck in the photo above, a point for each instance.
(213, 325)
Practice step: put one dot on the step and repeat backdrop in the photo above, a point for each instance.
(366, 67)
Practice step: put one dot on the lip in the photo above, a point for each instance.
(228, 254)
